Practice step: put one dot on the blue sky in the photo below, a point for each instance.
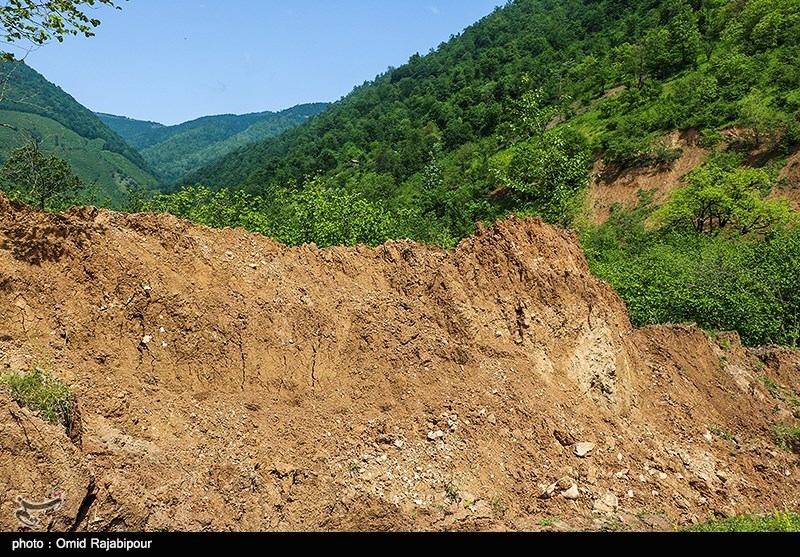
(175, 60)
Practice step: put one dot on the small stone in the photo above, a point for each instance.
(708, 437)
(607, 504)
(253, 265)
(662, 476)
(548, 491)
(434, 435)
(572, 493)
(619, 457)
(629, 494)
(147, 339)
(642, 478)
(492, 419)
(399, 443)
(622, 473)
(498, 333)
(584, 448)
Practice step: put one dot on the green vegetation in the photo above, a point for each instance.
(42, 393)
(128, 128)
(107, 174)
(32, 107)
(788, 438)
(779, 521)
(503, 116)
(174, 151)
(32, 177)
(38, 22)
(718, 270)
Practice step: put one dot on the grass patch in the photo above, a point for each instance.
(788, 438)
(779, 521)
(42, 393)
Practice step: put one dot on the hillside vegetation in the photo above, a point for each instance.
(174, 151)
(511, 114)
(33, 108)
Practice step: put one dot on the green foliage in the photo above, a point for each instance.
(37, 22)
(46, 181)
(548, 172)
(779, 521)
(318, 213)
(25, 90)
(42, 393)
(721, 282)
(106, 173)
(719, 197)
(788, 438)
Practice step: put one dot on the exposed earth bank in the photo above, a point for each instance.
(226, 382)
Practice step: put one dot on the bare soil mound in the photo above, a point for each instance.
(226, 382)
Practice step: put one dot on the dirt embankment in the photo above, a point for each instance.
(226, 382)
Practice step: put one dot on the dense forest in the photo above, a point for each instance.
(174, 151)
(510, 115)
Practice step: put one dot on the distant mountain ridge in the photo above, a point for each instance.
(128, 128)
(33, 107)
(174, 151)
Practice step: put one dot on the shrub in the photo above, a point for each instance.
(42, 393)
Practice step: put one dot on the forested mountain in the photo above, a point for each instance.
(33, 108)
(177, 150)
(675, 64)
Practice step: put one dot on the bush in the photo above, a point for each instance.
(42, 393)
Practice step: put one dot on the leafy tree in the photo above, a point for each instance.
(39, 21)
(46, 181)
(716, 198)
(549, 172)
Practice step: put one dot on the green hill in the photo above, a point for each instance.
(174, 151)
(436, 133)
(33, 107)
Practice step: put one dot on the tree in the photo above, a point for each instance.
(39, 21)
(33, 177)
(717, 198)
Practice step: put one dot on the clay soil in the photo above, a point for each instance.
(227, 383)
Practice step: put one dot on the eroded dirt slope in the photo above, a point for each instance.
(226, 382)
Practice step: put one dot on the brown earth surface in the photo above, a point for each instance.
(228, 383)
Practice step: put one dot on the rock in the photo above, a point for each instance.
(708, 437)
(572, 493)
(607, 504)
(548, 491)
(434, 435)
(399, 443)
(584, 448)
(147, 339)
(492, 419)
(662, 476)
